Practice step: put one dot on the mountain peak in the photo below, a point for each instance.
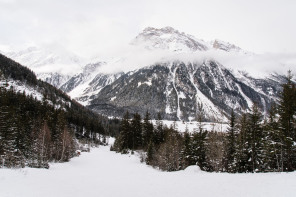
(167, 29)
(168, 38)
(225, 46)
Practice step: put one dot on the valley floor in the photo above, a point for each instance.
(104, 173)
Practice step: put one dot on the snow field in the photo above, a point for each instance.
(194, 125)
(107, 174)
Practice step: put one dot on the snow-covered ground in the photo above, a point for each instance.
(104, 173)
(194, 125)
(21, 87)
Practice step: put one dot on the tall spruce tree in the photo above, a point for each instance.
(147, 130)
(242, 150)
(159, 134)
(186, 150)
(136, 128)
(287, 112)
(124, 140)
(255, 140)
(198, 149)
(230, 157)
(272, 142)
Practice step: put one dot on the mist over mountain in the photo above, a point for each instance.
(167, 71)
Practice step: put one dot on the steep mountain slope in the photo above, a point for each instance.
(20, 79)
(38, 122)
(185, 77)
(181, 91)
(85, 85)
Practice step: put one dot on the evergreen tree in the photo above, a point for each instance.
(272, 142)
(186, 150)
(150, 153)
(242, 150)
(159, 134)
(147, 130)
(136, 127)
(287, 112)
(215, 150)
(124, 140)
(3, 121)
(230, 158)
(255, 141)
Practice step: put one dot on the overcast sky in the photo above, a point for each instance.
(88, 27)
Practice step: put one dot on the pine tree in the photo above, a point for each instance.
(198, 147)
(123, 141)
(287, 111)
(230, 157)
(215, 150)
(150, 153)
(255, 141)
(136, 127)
(4, 125)
(57, 135)
(242, 150)
(186, 150)
(147, 130)
(159, 134)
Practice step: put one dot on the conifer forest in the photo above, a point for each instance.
(252, 143)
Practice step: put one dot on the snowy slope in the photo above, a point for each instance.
(192, 126)
(21, 87)
(85, 81)
(108, 174)
(88, 83)
(181, 91)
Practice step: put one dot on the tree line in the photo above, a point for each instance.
(34, 132)
(252, 143)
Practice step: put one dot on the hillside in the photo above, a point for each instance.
(39, 123)
(179, 91)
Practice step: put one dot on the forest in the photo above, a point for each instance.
(35, 132)
(252, 143)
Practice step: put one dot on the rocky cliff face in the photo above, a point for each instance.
(85, 85)
(182, 91)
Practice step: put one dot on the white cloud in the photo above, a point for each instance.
(99, 28)
(258, 65)
(259, 26)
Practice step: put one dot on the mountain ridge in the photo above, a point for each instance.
(206, 79)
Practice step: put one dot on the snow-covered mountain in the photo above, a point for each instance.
(225, 46)
(170, 39)
(88, 83)
(181, 91)
(176, 74)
